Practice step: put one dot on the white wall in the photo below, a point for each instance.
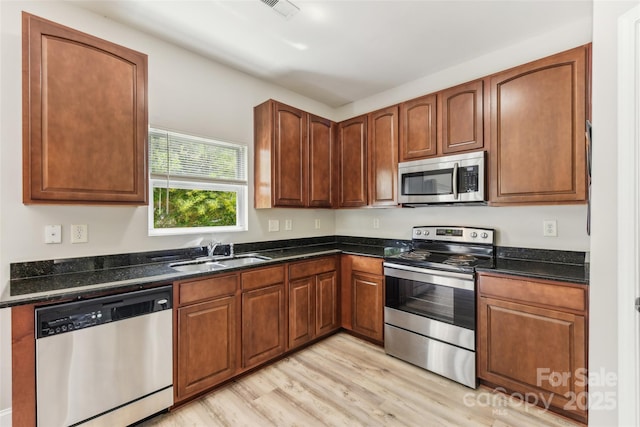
(516, 226)
(603, 343)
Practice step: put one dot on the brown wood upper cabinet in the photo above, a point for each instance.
(532, 338)
(383, 157)
(461, 118)
(449, 121)
(418, 128)
(352, 153)
(293, 157)
(368, 164)
(84, 118)
(538, 113)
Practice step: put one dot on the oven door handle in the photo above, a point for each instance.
(436, 277)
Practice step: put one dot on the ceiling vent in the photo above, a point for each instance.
(284, 8)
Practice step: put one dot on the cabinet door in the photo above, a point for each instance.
(206, 345)
(352, 151)
(418, 131)
(289, 156)
(263, 324)
(461, 117)
(532, 349)
(383, 157)
(301, 311)
(326, 304)
(85, 119)
(367, 304)
(537, 131)
(321, 151)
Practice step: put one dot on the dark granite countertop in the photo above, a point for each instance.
(564, 266)
(47, 281)
(53, 280)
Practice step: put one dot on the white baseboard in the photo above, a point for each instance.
(5, 417)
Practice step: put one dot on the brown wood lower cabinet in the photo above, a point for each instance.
(208, 325)
(363, 296)
(263, 315)
(532, 340)
(313, 295)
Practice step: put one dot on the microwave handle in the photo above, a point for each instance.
(455, 181)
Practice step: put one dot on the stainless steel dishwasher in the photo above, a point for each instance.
(105, 361)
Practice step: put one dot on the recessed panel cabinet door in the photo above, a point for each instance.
(537, 131)
(206, 345)
(326, 303)
(418, 128)
(461, 111)
(352, 141)
(290, 156)
(84, 118)
(383, 157)
(367, 304)
(321, 150)
(301, 311)
(263, 324)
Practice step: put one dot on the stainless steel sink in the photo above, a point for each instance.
(190, 266)
(218, 263)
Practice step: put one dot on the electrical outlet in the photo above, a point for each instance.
(53, 234)
(550, 228)
(79, 233)
(317, 224)
(288, 225)
(274, 225)
(376, 223)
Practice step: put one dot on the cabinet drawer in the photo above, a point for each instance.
(367, 264)
(210, 287)
(262, 277)
(546, 293)
(312, 267)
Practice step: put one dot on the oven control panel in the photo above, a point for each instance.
(454, 234)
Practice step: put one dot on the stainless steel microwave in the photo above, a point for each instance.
(451, 179)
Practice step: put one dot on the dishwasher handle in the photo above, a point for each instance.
(72, 316)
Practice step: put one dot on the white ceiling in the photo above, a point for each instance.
(339, 51)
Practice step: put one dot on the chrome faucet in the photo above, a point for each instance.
(211, 248)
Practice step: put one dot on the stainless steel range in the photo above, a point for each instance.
(430, 299)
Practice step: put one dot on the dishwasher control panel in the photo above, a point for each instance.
(73, 316)
(69, 323)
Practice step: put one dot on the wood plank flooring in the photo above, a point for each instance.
(344, 381)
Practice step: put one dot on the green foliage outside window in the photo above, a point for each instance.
(193, 208)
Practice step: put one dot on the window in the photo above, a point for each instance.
(197, 185)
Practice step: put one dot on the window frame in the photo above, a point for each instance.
(240, 187)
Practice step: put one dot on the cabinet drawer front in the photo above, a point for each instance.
(538, 292)
(262, 277)
(367, 264)
(310, 268)
(211, 287)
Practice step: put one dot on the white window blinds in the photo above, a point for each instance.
(177, 156)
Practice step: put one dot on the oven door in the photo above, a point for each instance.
(437, 304)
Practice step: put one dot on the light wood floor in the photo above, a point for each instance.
(344, 381)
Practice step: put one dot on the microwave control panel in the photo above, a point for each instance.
(468, 178)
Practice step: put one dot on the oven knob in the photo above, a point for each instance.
(418, 232)
(474, 234)
(484, 235)
(426, 232)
